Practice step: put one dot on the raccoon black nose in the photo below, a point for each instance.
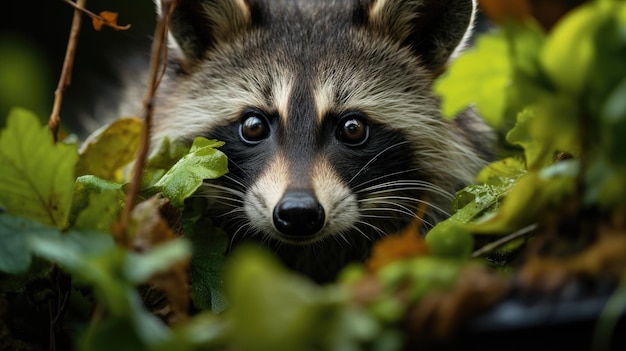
(298, 213)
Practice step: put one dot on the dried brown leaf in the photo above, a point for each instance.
(107, 18)
(167, 294)
(407, 243)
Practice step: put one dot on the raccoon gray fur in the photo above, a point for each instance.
(333, 134)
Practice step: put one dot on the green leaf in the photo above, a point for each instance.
(15, 233)
(37, 176)
(202, 162)
(139, 268)
(96, 203)
(273, 309)
(545, 128)
(112, 333)
(568, 53)
(109, 149)
(480, 76)
(161, 160)
(532, 196)
(604, 183)
(207, 264)
(93, 259)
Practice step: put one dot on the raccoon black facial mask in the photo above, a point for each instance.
(333, 134)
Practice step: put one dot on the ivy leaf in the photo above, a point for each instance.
(37, 178)
(202, 162)
(109, 149)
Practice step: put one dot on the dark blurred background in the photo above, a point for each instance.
(33, 39)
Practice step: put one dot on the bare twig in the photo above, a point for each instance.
(66, 73)
(503, 241)
(93, 16)
(156, 59)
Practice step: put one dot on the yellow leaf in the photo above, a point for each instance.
(109, 149)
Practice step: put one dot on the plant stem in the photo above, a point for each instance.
(156, 60)
(66, 73)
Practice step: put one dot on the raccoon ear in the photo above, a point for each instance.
(199, 25)
(434, 29)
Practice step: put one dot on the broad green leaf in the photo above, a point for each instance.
(109, 149)
(202, 162)
(273, 309)
(505, 170)
(37, 176)
(165, 156)
(568, 53)
(480, 76)
(450, 239)
(15, 233)
(93, 259)
(547, 127)
(533, 195)
(207, 264)
(139, 268)
(614, 125)
(96, 203)
(604, 184)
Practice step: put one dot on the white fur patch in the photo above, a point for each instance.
(339, 203)
(264, 194)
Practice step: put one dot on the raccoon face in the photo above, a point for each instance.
(333, 135)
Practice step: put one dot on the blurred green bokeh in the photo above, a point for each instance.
(25, 78)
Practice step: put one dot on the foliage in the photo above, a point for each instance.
(556, 96)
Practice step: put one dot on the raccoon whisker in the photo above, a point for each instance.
(224, 198)
(377, 216)
(400, 209)
(341, 236)
(401, 186)
(209, 185)
(242, 223)
(234, 211)
(380, 231)
(362, 233)
(377, 179)
(238, 182)
(382, 200)
(373, 159)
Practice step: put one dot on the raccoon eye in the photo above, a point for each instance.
(254, 128)
(352, 130)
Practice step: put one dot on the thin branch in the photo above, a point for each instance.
(503, 241)
(93, 16)
(66, 73)
(156, 59)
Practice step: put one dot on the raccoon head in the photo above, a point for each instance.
(333, 135)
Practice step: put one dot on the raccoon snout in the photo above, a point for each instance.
(299, 213)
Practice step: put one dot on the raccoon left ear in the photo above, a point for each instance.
(198, 26)
(433, 29)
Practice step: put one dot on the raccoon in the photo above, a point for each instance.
(333, 134)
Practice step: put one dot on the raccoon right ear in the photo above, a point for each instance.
(433, 29)
(199, 25)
